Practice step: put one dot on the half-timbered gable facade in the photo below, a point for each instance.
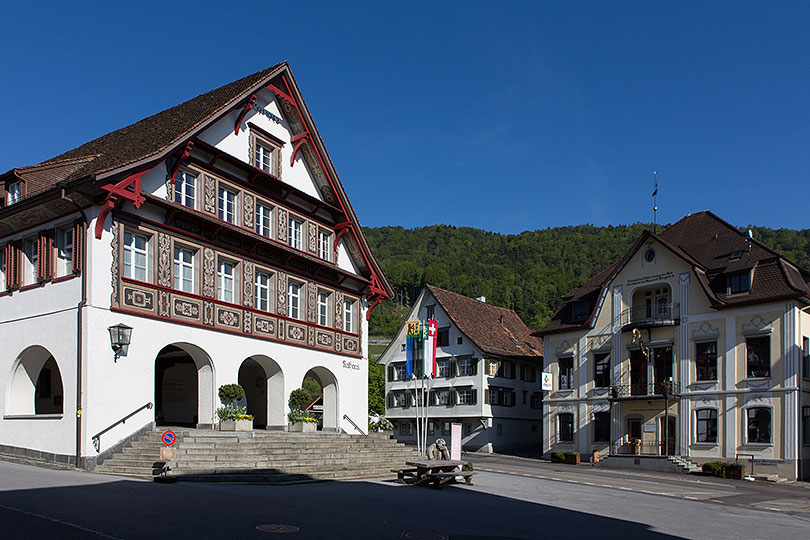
(217, 230)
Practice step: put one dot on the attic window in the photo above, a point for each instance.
(735, 255)
(265, 151)
(739, 282)
(13, 193)
(579, 311)
(515, 342)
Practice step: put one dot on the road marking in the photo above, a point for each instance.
(61, 522)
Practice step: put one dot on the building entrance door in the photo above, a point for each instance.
(634, 435)
(670, 435)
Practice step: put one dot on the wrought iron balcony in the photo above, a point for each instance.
(638, 448)
(651, 316)
(639, 389)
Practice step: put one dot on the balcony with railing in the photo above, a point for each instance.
(651, 316)
(642, 390)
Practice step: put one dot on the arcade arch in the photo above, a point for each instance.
(184, 386)
(36, 384)
(263, 381)
(328, 381)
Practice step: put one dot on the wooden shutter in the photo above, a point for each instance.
(390, 400)
(390, 373)
(432, 397)
(486, 396)
(45, 255)
(453, 368)
(13, 265)
(474, 365)
(474, 397)
(453, 397)
(513, 402)
(408, 400)
(78, 246)
(512, 373)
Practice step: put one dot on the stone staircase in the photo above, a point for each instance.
(262, 456)
(684, 464)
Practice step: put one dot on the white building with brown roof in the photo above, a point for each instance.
(219, 231)
(700, 317)
(488, 375)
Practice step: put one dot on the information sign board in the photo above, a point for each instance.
(545, 381)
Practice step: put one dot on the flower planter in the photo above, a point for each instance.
(734, 471)
(302, 427)
(236, 425)
(571, 459)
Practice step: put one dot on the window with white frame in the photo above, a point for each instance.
(14, 193)
(264, 291)
(405, 428)
(294, 300)
(399, 372)
(492, 368)
(324, 245)
(758, 356)
(399, 399)
(30, 261)
(466, 396)
(442, 397)
(706, 425)
(184, 274)
(264, 157)
(443, 368)
(64, 251)
(226, 281)
(295, 233)
(137, 256)
(226, 209)
(324, 308)
(349, 314)
(185, 189)
(758, 420)
(264, 220)
(466, 366)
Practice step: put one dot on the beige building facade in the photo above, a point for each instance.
(694, 344)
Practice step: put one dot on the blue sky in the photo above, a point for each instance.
(507, 116)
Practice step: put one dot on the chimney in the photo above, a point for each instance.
(482, 299)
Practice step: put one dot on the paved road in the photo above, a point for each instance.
(40, 503)
(793, 498)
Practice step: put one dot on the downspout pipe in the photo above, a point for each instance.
(79, 332)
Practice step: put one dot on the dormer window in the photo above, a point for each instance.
(579, 311)
(735, 255)
(14, 193)
(739, 282)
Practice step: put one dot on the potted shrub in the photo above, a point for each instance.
(715, 468)
(379, 424)
(572, 458)
(558, 457)
(231, 416)
(614, 392)
(300, 421)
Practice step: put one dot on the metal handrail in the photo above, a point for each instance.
(737, 461)
(97, 436)
(346, 417)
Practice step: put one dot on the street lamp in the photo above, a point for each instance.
(120, 335)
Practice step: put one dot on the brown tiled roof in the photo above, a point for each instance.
(495, 330)
(707, 243)
(146, 138)
(39, 178)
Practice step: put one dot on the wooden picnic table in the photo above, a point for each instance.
(438, 471)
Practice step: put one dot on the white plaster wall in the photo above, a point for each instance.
(222, 136)
(114, 389)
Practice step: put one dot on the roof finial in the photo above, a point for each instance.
(655, 202)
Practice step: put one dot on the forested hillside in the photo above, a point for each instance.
(527, 272)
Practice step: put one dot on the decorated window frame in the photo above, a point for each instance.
(264, 151)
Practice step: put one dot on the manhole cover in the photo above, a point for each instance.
(276, 528)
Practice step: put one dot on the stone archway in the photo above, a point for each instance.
(263, 381)
(331, 411)
(36, 384)
(184, 386)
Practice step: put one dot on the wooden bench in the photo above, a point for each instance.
(437, 479)
(405, 474)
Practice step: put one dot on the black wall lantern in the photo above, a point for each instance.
(120, 335)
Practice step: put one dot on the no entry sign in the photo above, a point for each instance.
(168, 437)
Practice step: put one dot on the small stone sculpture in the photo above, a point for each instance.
(438, 450)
